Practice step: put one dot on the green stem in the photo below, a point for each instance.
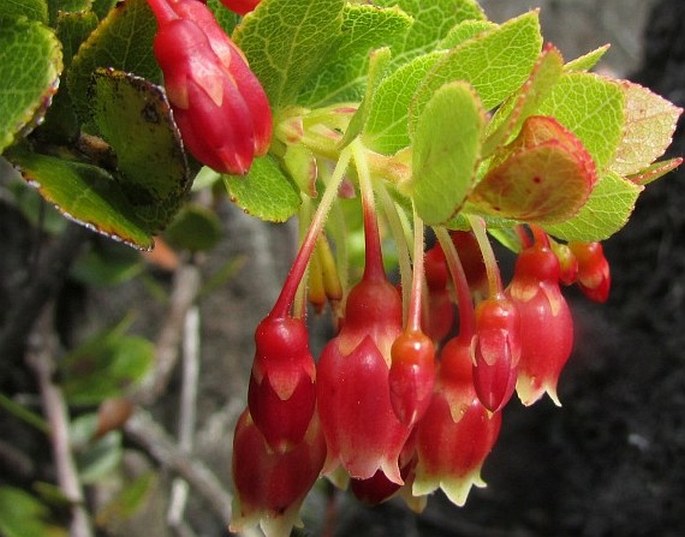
(491, 268)
(415, 302)
(292, 282)
(467, 320)
(401, 240)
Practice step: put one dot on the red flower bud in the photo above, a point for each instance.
(594, 275)
(546, 323)
(282, 394)
(219, 106)
(241, 7)
(496, 351)
(412, 376)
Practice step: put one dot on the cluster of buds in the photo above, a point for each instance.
(219, 105)
(405, 398)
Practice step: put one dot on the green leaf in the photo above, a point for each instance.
(432, 22)
(495, 63)
(123, 41)
(610, 205)
(33, 9)
(100, 458)
(385, 130)
(592, 108)
(73, 28)
(135, 118)
(587, 61)
(84, 193)
(650, 121)
(286, 42)
(22, 515)
(125, 504)
(108, 370)
(510, 116)
(377, 67)
(342, 77)
(446, 151)
(30, 65)
(102, 7)
(264, 192)
(195, 228)
(464, 31)
(107, 263)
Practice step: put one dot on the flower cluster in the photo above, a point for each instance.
(405, 398)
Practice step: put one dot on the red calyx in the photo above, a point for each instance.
(594, 275)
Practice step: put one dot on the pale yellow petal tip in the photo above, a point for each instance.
(529, 391)
(272, 525)
(455, 488)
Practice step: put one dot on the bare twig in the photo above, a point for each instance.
(144, 431)
(185, 289)
(39, 357)
(187, 413)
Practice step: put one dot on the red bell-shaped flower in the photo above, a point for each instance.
(219, 105)
(362, 432)
(457, 432)
(496, 349)
(282, 393)
(269, 485)
(546, 323)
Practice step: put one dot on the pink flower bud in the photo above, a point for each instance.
(219, 106)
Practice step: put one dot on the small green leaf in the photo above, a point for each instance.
(264, 192)
(73, 28)
(655, 171)
(464, 31)
(102, 7)
(108, 371)
(446, 151)
(22, 515)
(342, 77)
(107, 263)
(195, 228)
(386, 126)
(587, 61)
(123, 41)
(432, 22)
(135, 118)
(30, 65)
(100, 458)
(84, 193)
(33, 9)
(495, 63)
(128, 501)
(610, 205)
(378, 63)
(592, 108)
(287, 41)
(649, 126)
(510, 116)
